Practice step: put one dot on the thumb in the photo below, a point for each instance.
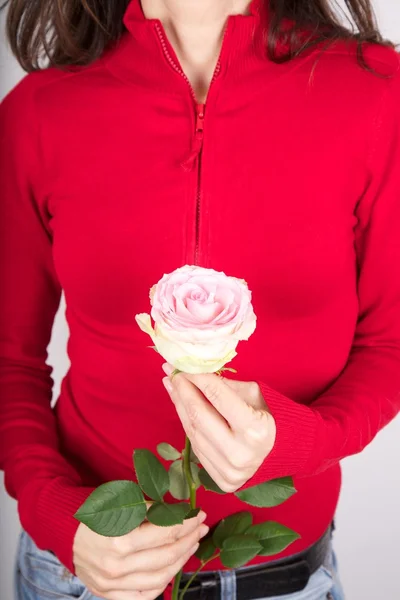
(248, 391)
(235, 385)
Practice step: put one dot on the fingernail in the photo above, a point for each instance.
(204, 529)
(168, 369)
(167, 384)
(201, 517)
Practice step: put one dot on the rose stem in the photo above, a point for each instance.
(177, 581)
(203, 564)
(192, 490)
(188, 473)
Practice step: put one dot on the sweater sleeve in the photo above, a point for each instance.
(47, 488)
(366, 396)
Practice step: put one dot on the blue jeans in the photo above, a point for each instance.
(40, 576)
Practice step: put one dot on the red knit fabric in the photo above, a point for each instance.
(291, 182)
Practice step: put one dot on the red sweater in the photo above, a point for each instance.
(291, 181)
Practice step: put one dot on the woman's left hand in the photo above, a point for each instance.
(227, 422)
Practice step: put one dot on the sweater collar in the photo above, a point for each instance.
(134, 13)
(245, 32)
(140, 56)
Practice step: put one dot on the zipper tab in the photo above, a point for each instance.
(197, 145)
(200, 109)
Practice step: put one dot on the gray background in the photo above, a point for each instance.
(368, 519)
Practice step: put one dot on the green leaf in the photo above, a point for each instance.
(193, 457)
(152, 476)
(206, 549)
(178, 486)
(269, 494)
(238, 550)
(195, 470)
(168, 452)
(208, 483)
(113, 509)
(232, 525)
(166, 515)
(273, 537)
(192, 513)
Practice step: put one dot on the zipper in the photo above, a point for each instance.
(200, 112)
(195, 155)
(169, 58)
(197, 144)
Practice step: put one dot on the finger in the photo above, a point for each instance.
(149, 580)
(223, 398)
(216, 451)
(161, 557)
(118, 595)
(228, 479)
(208, 440)
(212, 448)
(150, 536)
(219, 451)
(196, 413)
(124, 595)
(211, 468)
(151, 594)
(249, 391)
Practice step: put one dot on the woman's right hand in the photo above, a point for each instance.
(137, 566)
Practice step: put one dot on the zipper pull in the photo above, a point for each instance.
(200, 109)
(197, 145)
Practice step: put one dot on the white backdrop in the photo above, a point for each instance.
(368, 519)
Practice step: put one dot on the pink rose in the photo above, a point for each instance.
(200, 315)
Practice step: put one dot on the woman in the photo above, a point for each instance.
(257, 139)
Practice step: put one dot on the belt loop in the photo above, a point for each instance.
(228, 584)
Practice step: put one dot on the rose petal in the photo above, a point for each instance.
(203, 313)
(144, 322)
(200, 312)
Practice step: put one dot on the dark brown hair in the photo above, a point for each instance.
(76, 32)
